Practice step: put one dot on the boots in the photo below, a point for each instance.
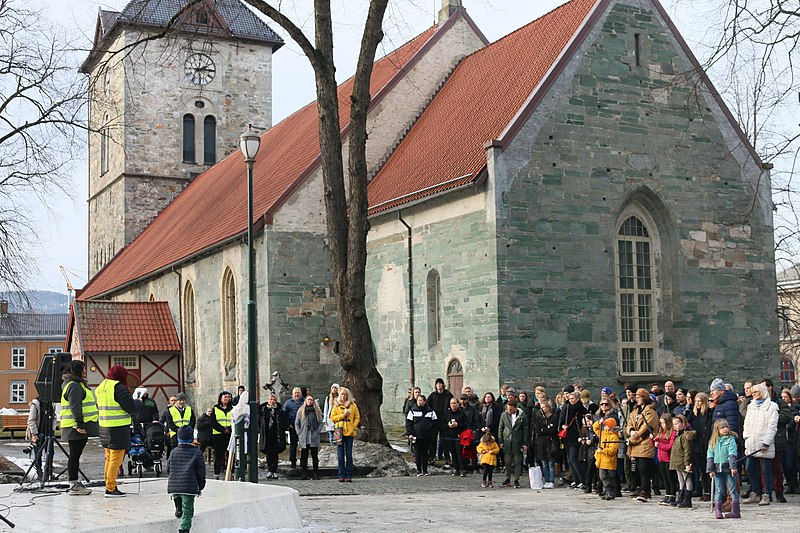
(315, 475)
(718, 509)
(686, 502)
(304, 475)
(76, 488)
(679, 499)
(736, 511)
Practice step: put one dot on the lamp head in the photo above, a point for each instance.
(249, 143)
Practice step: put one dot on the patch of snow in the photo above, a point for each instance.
(401, 449)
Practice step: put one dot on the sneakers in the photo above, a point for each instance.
(764, 499)
(549, 485)
(753, 498)
(489, 485)
(420, 474)
(506, 483)
(76, 488)
(484, 484)
(516, 484)
(116, 493)
(463, 474)
(580, 486)
(425, 474)
(573, 485)
(780, 497)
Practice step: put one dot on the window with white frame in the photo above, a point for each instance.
(54, 349)
(635, 298)
(18, 357)
(128, 361)
(19, 390)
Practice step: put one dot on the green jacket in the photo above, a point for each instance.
(513, 437)
(682, 449)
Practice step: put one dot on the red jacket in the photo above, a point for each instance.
(664, 445)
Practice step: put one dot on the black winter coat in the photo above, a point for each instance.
(728, 408)
(272, 427)
(421, 421)
(784, 417)
(571, 415)
(440, 403)
(701, 424)
(461, 423)
(545, 431)
(490, 417)
(187, 470)
(204, 427)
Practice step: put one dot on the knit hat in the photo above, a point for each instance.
(186, 434)
(512, 391)
(610, 423)
(586, 395)
(569, 389)
(643, 393)
(633, 388)
(181, 396)
(795, 391)
(718, 384)
(439, 380)
(606, 390)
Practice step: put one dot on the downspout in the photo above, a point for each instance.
(181, 376)
(410, 300)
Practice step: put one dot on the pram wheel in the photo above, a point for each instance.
(158, 469)
(139, 469)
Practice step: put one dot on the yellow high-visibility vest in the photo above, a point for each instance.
(179, 421)
(111, 413)
(88, 407)
(223, 419)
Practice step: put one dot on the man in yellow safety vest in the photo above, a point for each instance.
(116, 407)
(180, 415)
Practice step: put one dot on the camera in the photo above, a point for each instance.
(27, 450)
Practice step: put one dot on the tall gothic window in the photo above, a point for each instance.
(434, 308)
(636, 298)
(188, 138)
(104, 140)
(229, 338)
(209, 140)
(189, 351)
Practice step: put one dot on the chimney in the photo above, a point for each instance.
(3, 307)
(448, 8)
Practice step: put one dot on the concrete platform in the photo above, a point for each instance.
(222, 505)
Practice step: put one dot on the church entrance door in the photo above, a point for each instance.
(455, 377)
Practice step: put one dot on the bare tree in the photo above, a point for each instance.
(346, 214)
(42, 118)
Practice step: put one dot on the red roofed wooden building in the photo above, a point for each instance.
(140, 336)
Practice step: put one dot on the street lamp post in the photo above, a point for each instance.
(249, 142)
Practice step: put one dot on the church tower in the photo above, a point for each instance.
(166, 103)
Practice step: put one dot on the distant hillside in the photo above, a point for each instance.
(43, 302)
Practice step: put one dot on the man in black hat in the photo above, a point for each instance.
(439, 401)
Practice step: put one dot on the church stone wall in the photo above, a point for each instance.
(610, 133)
(453, 236)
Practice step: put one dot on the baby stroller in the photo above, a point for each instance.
(146, 451)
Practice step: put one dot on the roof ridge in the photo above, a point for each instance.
(524, 27)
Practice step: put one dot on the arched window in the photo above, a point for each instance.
(209, 140)
(229, 338)
(104, 141)
(434, 308)
(635, 297)
(188, 138)
(189, 352)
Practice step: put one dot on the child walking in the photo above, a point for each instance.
(606, 456)
(187, 477)
(663, 441)
(488, 449)
(721, 466)
(680, 461)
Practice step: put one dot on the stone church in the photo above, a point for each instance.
(571, 202)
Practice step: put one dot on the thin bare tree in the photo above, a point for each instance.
(42, 120)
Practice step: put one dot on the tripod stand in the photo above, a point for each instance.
(46, 447)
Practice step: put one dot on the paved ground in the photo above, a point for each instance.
(444, 503)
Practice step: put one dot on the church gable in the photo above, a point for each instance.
(625, 212)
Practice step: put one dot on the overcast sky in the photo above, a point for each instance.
(63, 233)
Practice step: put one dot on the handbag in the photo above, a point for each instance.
(562, 433)
(337, 436)
(536, 477)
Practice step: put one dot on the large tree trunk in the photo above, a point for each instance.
(347, 235)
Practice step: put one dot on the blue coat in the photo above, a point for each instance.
(728, 408)
(187, 470)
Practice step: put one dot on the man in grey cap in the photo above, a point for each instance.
(180, 415)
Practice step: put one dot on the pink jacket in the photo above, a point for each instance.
(664, 445)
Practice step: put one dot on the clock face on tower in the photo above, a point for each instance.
(199, 69)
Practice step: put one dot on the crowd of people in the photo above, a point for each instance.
(678, 442)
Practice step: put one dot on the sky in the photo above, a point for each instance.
(62, 229)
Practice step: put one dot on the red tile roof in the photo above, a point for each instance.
(445, 148)
(212, 210)
(125, 327)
